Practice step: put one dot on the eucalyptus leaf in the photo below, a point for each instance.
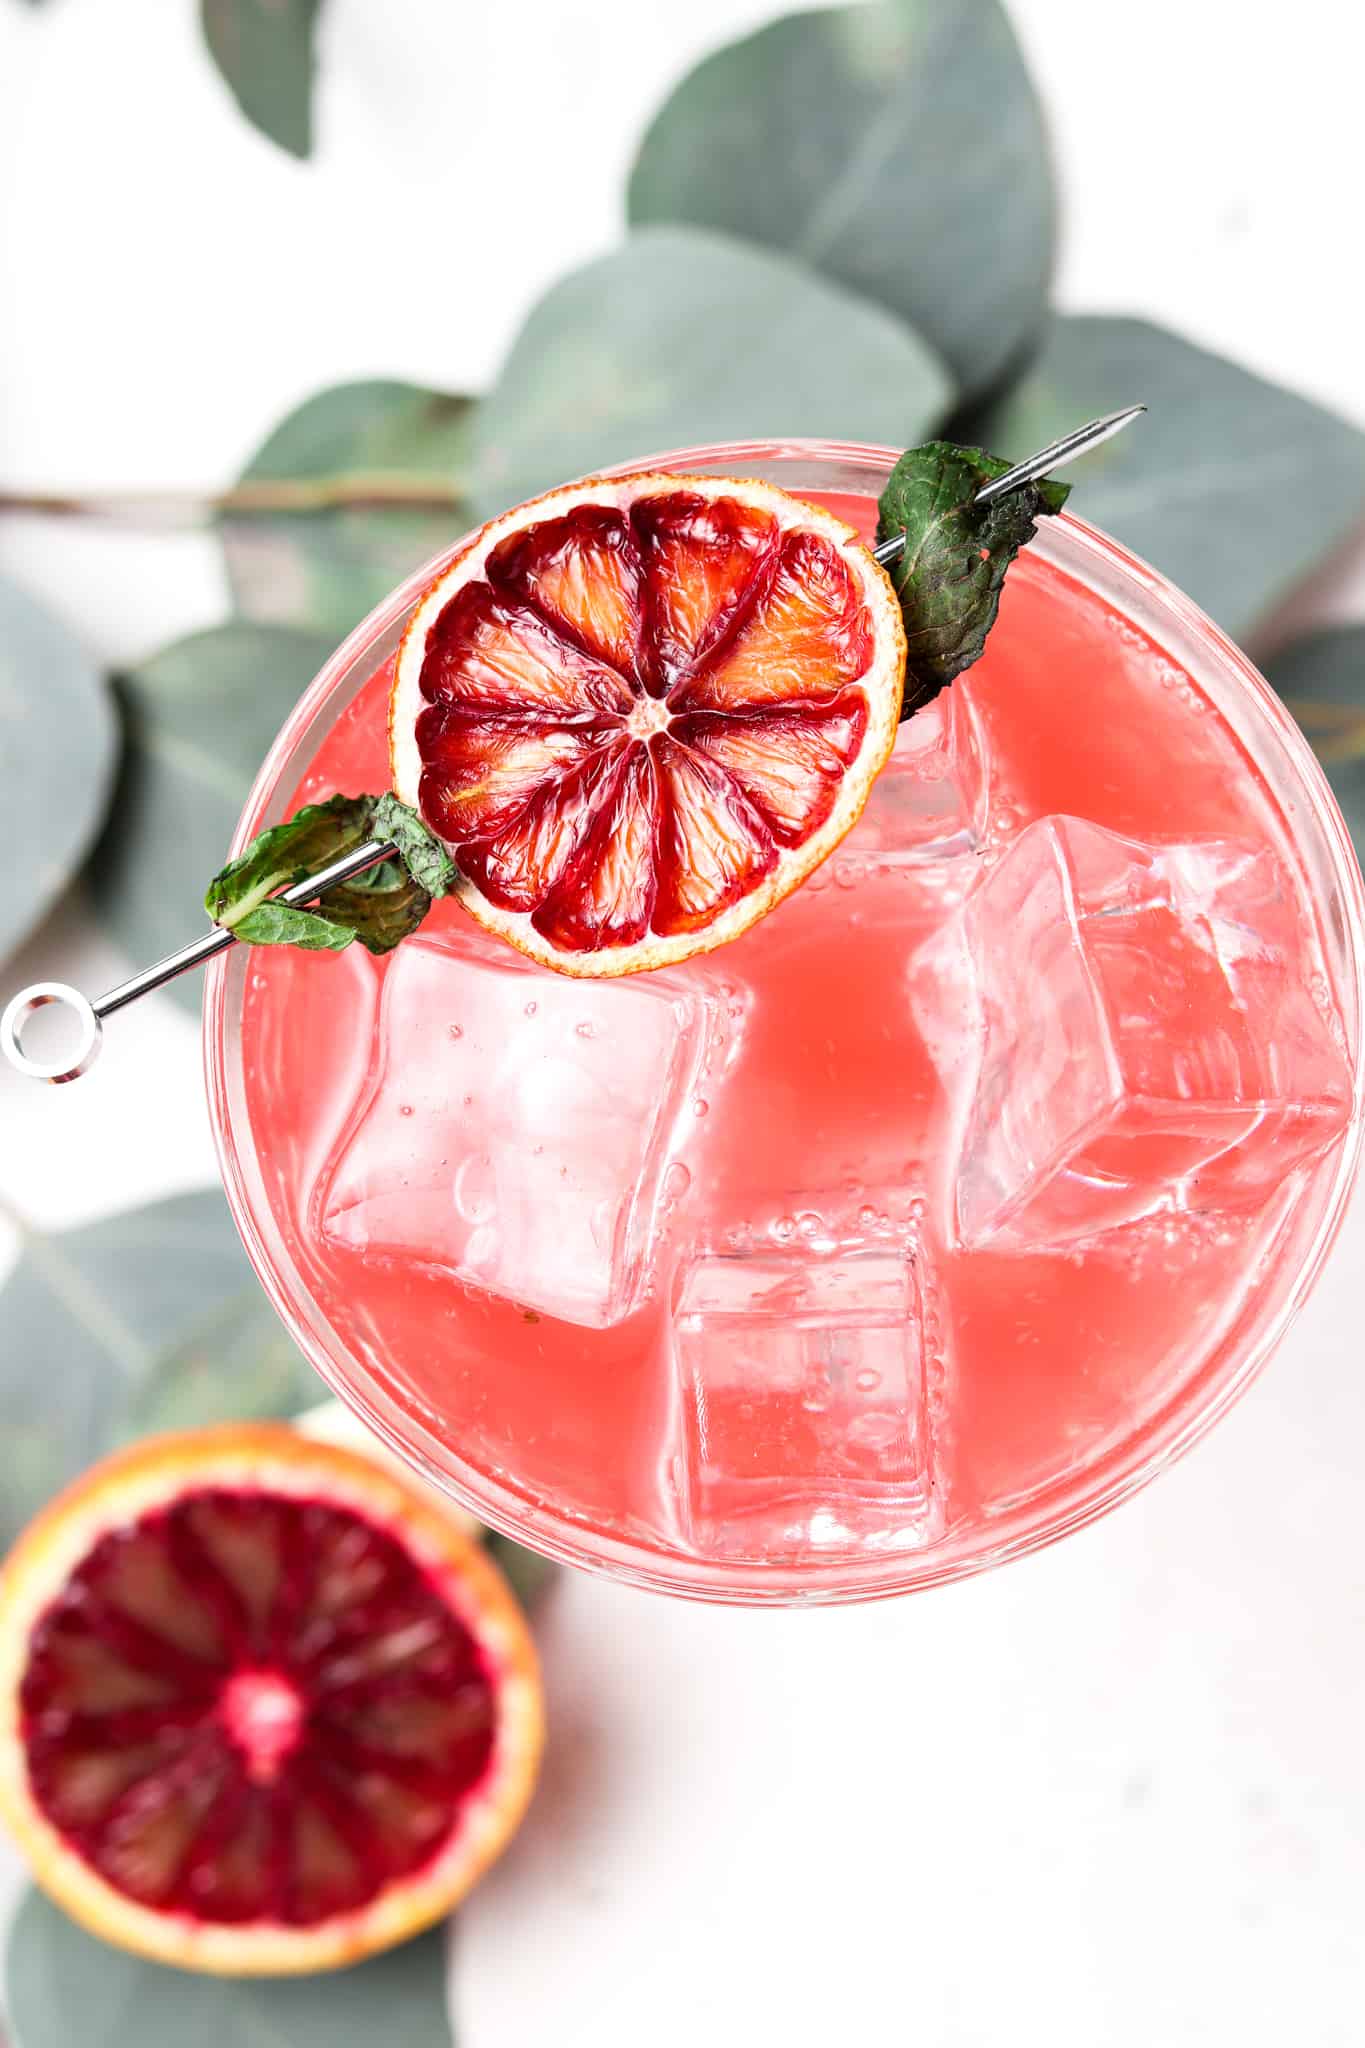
(681, 337)
(264, 50)
(528, 1573)
(898, 148)
(1236, 488)
(235, 1362)
(956, 553)
(91, 1318)
(58, 747)
(199, 717)
(64, 1989)
(1322, 680)
(328, 563)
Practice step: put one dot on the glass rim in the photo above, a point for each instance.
(1054, 1510)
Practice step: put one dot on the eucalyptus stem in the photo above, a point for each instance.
(373, 490)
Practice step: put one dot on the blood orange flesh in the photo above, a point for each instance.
(247, 1706)
(642, 710)
(260, 1719)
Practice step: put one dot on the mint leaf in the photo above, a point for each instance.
(380, 907)
(285, 854)
(283, 924)
(424, 856)
(952, 569)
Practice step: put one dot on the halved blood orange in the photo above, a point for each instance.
(263, 1706)
(640, 710)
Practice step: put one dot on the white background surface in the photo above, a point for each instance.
(1111, 1795)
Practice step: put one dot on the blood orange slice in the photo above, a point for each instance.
(641, 710)
(263, 1706)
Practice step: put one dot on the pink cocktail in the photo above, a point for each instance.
(919, 1224)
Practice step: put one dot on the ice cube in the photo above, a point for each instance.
(930, 801)
(803, 1396)
(1145, 1033)
(520, 1129)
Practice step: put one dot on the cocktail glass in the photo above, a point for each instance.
(920, 1226)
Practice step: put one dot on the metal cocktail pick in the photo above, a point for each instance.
(90, 1016)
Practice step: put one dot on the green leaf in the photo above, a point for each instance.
(328, 563)
(236, 1363)
(58, 746)
(900, 149)
(528, 1573)
(200, 718)
(1234, 487)
(264, 50)
(284, 924)
(91, 1317)
(64, 1988)
(1322, 680)
(952, 568)
(424, 856)
(284, 854)
(381, 907)
(680, 338)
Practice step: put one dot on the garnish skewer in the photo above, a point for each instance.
(90, 1015)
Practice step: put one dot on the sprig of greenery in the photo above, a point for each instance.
(381, 907)
(949, 577)
(952, 568)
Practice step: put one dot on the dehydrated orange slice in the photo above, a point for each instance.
(641, 710)
(264, 1707)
